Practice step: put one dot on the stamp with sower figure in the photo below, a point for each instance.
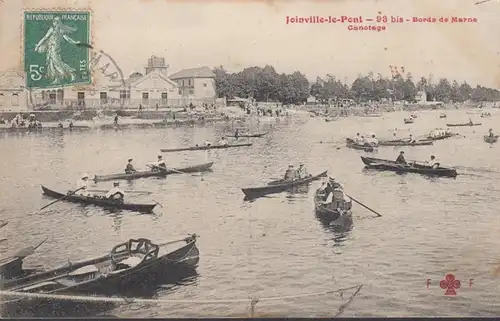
(52, 57)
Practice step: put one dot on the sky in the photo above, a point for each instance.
(239, 34)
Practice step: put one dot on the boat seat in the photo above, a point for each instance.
(132, 261)
(85, 270)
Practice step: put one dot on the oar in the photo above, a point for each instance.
(3, 223)
(26, 251)
(158, 203)
(69, 194)
(126, 191)
(378, 214)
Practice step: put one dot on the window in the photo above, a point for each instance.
(191, 91)
(190, 82)
(180, 91)
(80, 96)
(15, 99)
(164, 98)
(145, 98)
(52, 97)
(104, 97)
(204, 84)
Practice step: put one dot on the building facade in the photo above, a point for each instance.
(153, 89)
(13, 95)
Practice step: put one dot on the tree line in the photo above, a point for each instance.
(265, 84)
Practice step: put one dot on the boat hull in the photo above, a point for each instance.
(388, 165)
(490, 140)
(351, 144)
(329, 215)
(463, 125)
(170, 150)
(405, 143)
(192, 169)
(102, 202)
(276, 187)
(248, 135)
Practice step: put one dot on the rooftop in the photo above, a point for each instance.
(200, 72)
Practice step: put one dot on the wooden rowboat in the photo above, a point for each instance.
(279, 186)
(491, 140)
(41, 129)
(405, 143)
(134, 125)
(351, 144)
(170, 150)
(143, 174)
(128, 264)
(98, 201)
(388, 165)
(248, 135)
(409, 120)
(464, 124)
(330, 215)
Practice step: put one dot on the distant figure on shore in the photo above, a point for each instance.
(140, 107)
(115, 121)
(156, 106)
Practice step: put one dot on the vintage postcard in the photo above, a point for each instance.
(201, 159)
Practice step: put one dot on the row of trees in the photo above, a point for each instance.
(265, 84)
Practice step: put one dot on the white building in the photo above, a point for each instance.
(13, 96)
(151, 89)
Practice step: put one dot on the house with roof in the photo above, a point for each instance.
(196, 83)
(152, 89)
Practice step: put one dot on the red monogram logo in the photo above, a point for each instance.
(450, 284)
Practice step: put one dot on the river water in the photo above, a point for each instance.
(275, 246)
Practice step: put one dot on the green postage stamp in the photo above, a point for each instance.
(52, 56)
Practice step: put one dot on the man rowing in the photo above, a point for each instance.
(401, 158)
(410, 139)
(335, 197)
(222, 142)
(82, 184)
(160, 165)
(357, 139)
(490, 133)
(129, 169)
(115, 192)
(432, 162)
(290, 174)
(302, 172)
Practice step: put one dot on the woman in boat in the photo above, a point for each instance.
(82, 185)
(116, 193)
(401, 158)
(290, 173)
(129, 169)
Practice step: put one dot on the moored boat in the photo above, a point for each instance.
(143, 174)
(128, 264)
(388, 165)
(366, 147)
(134, 125)
(464, 124)
(100, 201)
(490, 139)
(194, 148)
(247, 135)
(400, 142)
(42, 129)
(329, 214)
(279, 186)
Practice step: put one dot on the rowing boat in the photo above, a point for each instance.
(400, 142)
(490, 139)
(409, 120)
(442, 116)
(279, 186)
(444, 136)
(327, 213)
(463, 124)
(169, 150)
(143, 174)
(388, 165)
(100, 201)
(127, 265)
(247, 135)
(11, 264)
(366, 147)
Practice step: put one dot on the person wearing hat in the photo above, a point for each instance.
(401, 158)
(115, 192)
(160, 164)
(82, 185)
(290, 173)
(490, 133)
(302, 172)
(129, 169)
